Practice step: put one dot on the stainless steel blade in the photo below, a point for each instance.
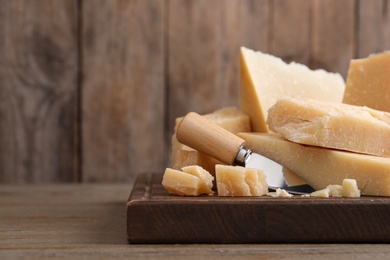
(274, 173)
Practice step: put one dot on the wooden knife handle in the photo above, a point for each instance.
(202, 135)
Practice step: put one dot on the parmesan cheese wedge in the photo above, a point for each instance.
(333, 125)
(321, 167)
(266, 78)
(368, 82)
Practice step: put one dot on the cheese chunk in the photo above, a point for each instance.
(184, 184)
(279, 193)
(324, 193)
(350, 188)
(201, 173)
(321, 167)
(266, 78)
(240, 181)
(368, 82)
(229, 118)
(332, 125)
(335, 190)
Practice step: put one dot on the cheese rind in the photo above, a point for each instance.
(333, 125)
(266, 78)
(368, 82)
(321, 167)
(240, 181)
(184, 184)
(229, 118)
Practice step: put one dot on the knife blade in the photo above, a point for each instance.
(200, 134)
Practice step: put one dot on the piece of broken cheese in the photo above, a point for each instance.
(229, 118)
(323, 193)
(321, 167)
(240, 181)
(336, 190)
(333, 125)
(201, 173)
(279, 193)
(266, 78)
(191, 181)
(349, 188)
(367, 82)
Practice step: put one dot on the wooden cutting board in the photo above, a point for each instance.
(155, 216)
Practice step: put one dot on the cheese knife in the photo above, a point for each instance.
(203, 135)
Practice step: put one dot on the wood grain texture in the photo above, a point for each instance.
(204, 38)
(62, 216)
(214, 219)
(291, 29)
(83, 221)
(123, 89)
(38, 91)
(373, 34)
(333, 35)
(89, 90)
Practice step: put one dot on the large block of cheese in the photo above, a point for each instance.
(368, 82)
(333, 125)
(321, 167)
(240, 181)
(266, 78)
(230, 118)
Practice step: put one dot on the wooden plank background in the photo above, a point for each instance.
(89, 89)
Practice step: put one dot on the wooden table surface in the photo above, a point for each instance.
(89, 221)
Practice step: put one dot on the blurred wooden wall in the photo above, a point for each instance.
(89, 89)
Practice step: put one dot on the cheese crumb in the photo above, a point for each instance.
(324, 193)
(280, 193)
